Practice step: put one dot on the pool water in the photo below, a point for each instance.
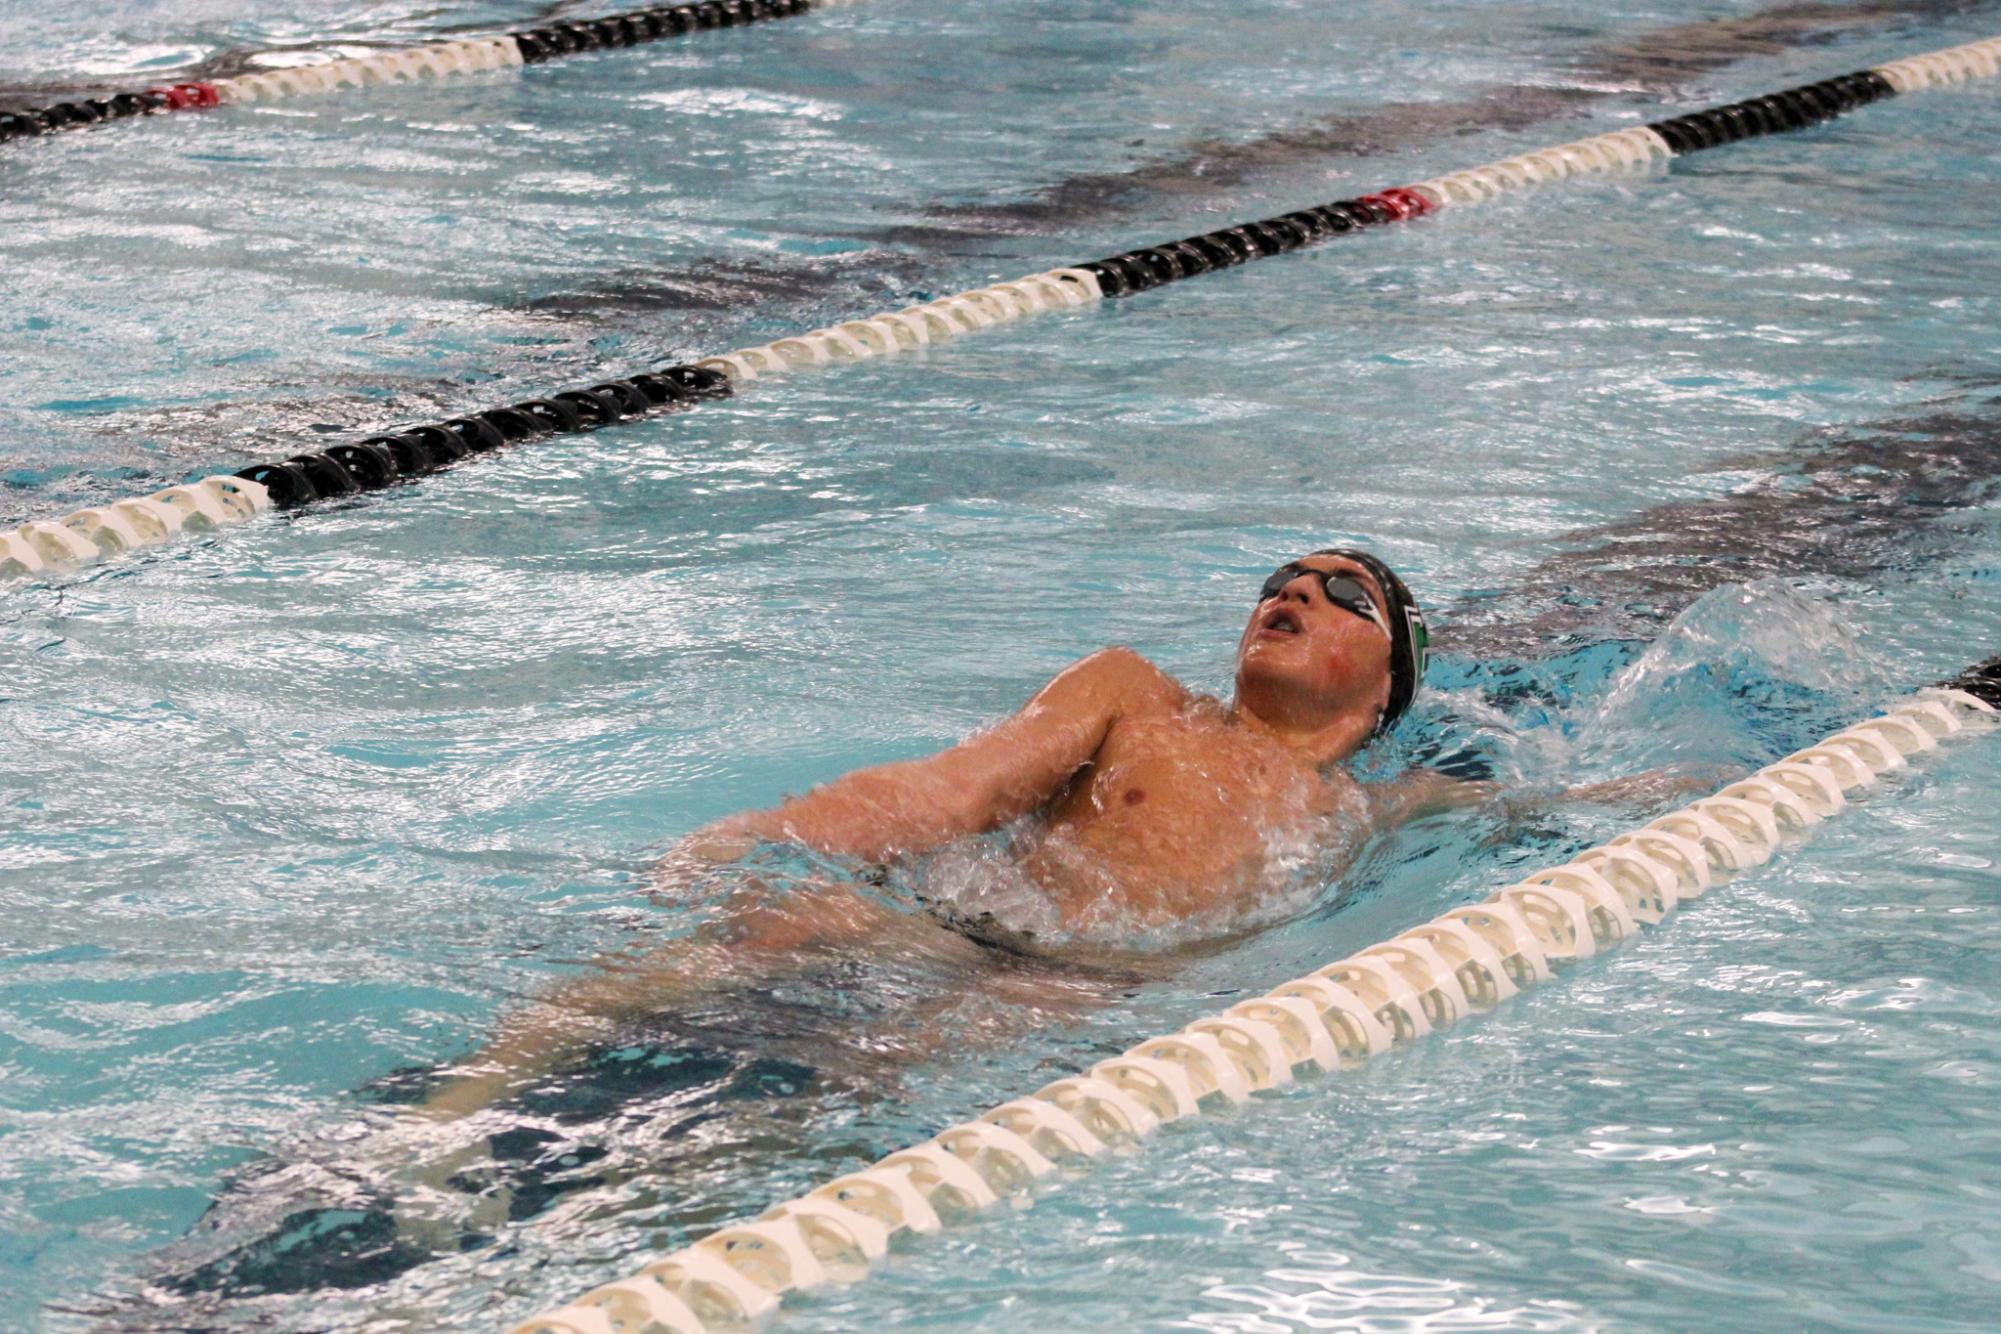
(1692, 467)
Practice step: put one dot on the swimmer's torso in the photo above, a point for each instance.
(1177, 816)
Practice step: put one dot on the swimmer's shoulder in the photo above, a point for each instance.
(1131, 677)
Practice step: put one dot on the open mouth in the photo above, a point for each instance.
(1281, 621)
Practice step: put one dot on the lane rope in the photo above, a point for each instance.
(55, 545)
(412, 64)
(1462, 963)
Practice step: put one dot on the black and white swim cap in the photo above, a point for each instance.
(1410, 638)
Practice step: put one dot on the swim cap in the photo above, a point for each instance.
(1410, 640)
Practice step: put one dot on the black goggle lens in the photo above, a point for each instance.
(1343, 590)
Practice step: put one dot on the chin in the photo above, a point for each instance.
(1273, 669)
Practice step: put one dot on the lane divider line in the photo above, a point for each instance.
(428, 60)
(40, 548)
(1461, 964)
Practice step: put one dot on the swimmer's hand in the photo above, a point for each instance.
(686, 865)
(716, 844)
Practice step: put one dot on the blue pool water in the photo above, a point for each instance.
(1694, 466)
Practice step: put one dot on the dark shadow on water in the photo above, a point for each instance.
(1847, 504)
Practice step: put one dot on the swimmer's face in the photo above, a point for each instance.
(1301, 641)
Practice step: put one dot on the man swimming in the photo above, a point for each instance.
(1157, 804)
(1145, 804)
(1137, 803)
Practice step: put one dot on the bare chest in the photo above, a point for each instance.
(1160, 769)
(1175, 816)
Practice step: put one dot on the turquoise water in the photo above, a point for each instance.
(1694, 466)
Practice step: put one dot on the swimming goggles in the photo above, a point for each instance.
(1342, 589)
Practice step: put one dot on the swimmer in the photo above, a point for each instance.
(1145, 804)
(1157, 804)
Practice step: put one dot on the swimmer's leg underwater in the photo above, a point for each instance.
(666, 1103)
(759, 936)
(787, 1013)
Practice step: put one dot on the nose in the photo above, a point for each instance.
(1302, 587)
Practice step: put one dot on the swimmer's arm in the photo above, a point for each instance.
(980, 784)
(1425, 792)
(1650, 789)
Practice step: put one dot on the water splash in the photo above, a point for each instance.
(1745, 672)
